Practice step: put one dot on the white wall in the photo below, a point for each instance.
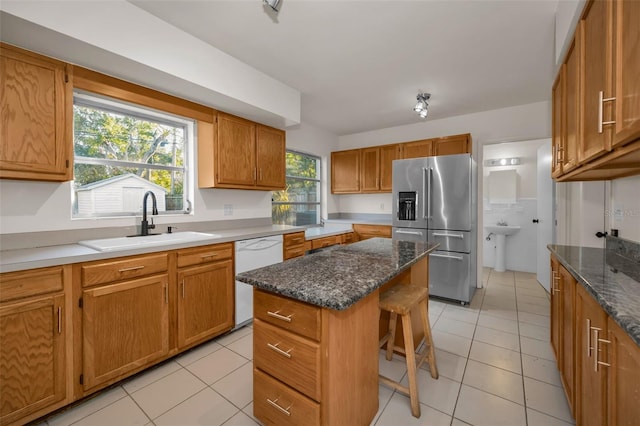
(623, 211)
(567, 15)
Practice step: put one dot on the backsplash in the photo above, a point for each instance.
(624, 255)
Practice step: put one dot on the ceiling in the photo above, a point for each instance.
(360, 64)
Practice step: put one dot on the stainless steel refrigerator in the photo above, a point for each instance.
(435, 199)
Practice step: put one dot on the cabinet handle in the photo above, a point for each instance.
(601, 101)
(283, 410)
(439, 234)
(280, 351)
(133, 268)
(59, 319)
(208, 256)
(597, 349)
(166, 294)
(556, 278)
(589, 338)
(183, 289)
(276, 314)
(255, 173)
(260, 173)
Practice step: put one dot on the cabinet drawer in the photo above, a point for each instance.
(348, 238)
(370, 231)
(291, 252)
(325, 241)
(131, 267)
(17, 285)
(277, 404)
(289, 314)
(288, 357)
(293, 239)
(199, 255)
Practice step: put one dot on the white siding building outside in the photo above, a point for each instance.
(118, 194)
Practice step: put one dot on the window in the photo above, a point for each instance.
(299, 203)
(121, 152)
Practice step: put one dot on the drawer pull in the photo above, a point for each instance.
(282, 410)
(207, 256)
(276, 314)
(280, 351)
(133, 268)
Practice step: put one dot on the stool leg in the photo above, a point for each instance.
(391, 343)
(428, 339)
(411, 365)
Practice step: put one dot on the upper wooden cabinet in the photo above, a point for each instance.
(608, 70)
(345, 171)
(36, 111)
(370, 169)
(240, 154)
(376, 167)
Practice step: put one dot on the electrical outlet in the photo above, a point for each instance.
(228, 209)
(382, 206)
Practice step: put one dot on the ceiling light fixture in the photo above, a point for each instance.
(273, 4)
(422, 106)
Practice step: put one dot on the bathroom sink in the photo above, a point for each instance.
(125, 243)
(502, 229)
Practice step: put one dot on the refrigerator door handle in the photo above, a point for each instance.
(426, 192)
(438, 234)
(447, 256)
(401, 231)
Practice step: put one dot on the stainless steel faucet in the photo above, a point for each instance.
(145, 225)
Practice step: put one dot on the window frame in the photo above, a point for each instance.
(317, 180)
(105, 103)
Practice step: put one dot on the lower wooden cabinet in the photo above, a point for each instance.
(205, 294)
(364, 232)
(567, 285)
(33, 343)
(293, 245)
(125, 326)
(623, 378)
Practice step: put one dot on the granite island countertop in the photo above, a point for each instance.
(339, 276)
(612, 279)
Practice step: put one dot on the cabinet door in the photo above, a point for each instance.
(415, 149)
(125, 327)
(370, 169)
(205, 302)
(556, 313)
(595, 69)
(569, 154)
(449, 145)
(345, 171)
(627, 71)
(623, 378)
(567, 365)
(558, 124)
(270, 157)
(36, 115)
(32, 356)
(591, 320)
(235, 153)
(388, 153)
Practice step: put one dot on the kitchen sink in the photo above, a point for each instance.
(135, 241)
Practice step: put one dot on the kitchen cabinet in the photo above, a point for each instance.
(566, 285)
(239, 154)
(556, 312)
(325, 242)
(348, 238)
(608, 123)
(449, 145)
(124, 317)
(623, 378)
(293, 245)
(345, 171)
(364, 231)
(33, 350)
(377, 167)
(205, 293)
(416, 149)
(36, 109)
(591, 325)
(305, 355)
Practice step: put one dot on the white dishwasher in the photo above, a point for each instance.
(252, 254)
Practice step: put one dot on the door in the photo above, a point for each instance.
(345, 171)
(449, 275)
(388, 153)
(235, 151)
(448, 193)
(449, 145)
(545, 195)
(623, 380)
(417, 149)
(270, 157)
(409, 177)
(370, 171)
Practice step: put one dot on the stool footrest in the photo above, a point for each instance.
(393, 384)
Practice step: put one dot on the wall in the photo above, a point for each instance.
(521, 245)
(567, 16)
(624, 210)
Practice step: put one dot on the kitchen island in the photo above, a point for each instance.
(316, 330)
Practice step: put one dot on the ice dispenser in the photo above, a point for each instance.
(407, 202)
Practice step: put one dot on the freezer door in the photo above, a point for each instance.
(410, 234)
(459, 241)
(449, 191)
(449, 276)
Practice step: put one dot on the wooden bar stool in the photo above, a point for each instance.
(400, 300)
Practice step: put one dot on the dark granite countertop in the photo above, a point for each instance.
(611, 277)
(339, 276)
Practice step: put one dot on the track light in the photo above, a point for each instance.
(422, 106)
(273, 4)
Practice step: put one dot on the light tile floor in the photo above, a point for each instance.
(494, 357)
